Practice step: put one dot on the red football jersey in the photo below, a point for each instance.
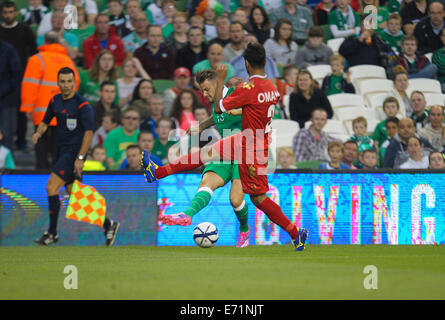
(258, 98)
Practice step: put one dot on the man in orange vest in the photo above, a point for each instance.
(39, 85)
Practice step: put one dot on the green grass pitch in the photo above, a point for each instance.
(257, 272)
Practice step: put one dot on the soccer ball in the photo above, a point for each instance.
(205, 234)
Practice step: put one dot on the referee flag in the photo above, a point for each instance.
(86, 204)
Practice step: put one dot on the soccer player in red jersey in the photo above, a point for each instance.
(257, 98)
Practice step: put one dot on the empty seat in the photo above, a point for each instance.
(424, 85)
(434, 99)
(335, 44)
(320, 71)
(341, 100)
(285, 130)
(366, 71)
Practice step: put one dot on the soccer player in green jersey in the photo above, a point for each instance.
(217, 174)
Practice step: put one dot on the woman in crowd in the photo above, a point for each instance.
(305, 98)
(399, 91)
(183, 106)
(281, 48)
(141, 96)
(131, 67)
(416, 159)
(436, 160)
(259, 24)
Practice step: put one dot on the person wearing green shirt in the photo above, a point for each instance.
(162, 143)
(343, 21)
(392, 35)
(217, 174)
(438, 59)
(391, 128)
(214, 58)
(391, 109)
(120, 138)
(382, 12)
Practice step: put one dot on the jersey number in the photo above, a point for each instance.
(270, 114)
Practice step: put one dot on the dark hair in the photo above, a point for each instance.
(163, 118)
(266, 22)
(200, 106)
(315, 31)
(106, 83)
(145, 132)
(150, 26)
(97, 146)
(351, 142)
(417, 138)
(372, 150)
(9, 4)
(114, 114)
(177, 107)
(393, 120)
(101, 15)
(65, 70)
(436, 151)
(202, 76)
(118, 1)
(237, 22)
(280, 22)
(255, 55)
(136, 94)
(195, 28)
(318, 109)
(133, 146)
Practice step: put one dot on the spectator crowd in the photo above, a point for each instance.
(135, 62)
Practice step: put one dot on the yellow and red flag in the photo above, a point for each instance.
(86, 204)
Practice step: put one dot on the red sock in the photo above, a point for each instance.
(184, 163)
(273, 211)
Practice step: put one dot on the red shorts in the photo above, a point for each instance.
(252, 164)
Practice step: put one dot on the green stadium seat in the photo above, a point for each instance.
(163, 84)
(327, 34)
(309, 164)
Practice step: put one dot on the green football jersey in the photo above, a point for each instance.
(226, 121)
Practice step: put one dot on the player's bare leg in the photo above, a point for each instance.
(210, 182)
(240, 207)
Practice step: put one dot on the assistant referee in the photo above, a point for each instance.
(75, 124)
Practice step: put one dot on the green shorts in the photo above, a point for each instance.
(227, 171)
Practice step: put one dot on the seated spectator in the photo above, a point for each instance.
(132, 159)
(344, 21)
(160, 149)
(286, 85)
(436, 160)
(382, 13)
(209, 135)
(155, 14)
(103, 69)
(314, 51)
(183, 105)
(97, 161)
(392, 128)
(360, 127)
(391, 109)
(222, 30)
(369, 159)
(428, 29)
(106, 102)
(392, 35)
(103, 38)
(214, 58)
(155, 108)
(156, 58)
(117, 140)
(322, 11)
(193, 52)
(393, 6)
(335, 152)
(310, 143)
(83, 31)
(146, 141)
(178, 38)
(141, 97)
(416, 159)
(116, 14)
(247, 5)
(138, 36)
(417, 66)
(305, 98)
(45, 24)
(350, 153)
(412, 12)
(132, 74)
(432, 131)
(67, 39)
(34, 13)
(209, 10)
(365, 49)
(132, 8)
(281, 48)
(400, 85)
(197, 21)
(235, 47)
(6, 159)
(259, 24)
(110, 121)
(337, 81)
(240, 15)
(301, 18)
(420, 114)
(285, 158)
(90, 7)
(182, 78)
(397, 153)
(239, 64)
(169, 10)
(438, 59)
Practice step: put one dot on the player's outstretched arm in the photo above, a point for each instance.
(221, 73)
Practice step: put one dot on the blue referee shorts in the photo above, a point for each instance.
(64, 166)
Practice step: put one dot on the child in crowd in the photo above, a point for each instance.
(369, 159)
(360, 127)
(33, 15)
(335, 152)
(290, 73)
(286, 159)
(391, 109)
(314, 51)
(162, 142)
(97, 161)
(391, 129)
(116, 13)
(337, 81)
(197, 21)
(240, 15)
(6, 160)
(393, 35)
(436, 160)
(110, 121)
(210, 10)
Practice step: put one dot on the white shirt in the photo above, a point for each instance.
(411, 164)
